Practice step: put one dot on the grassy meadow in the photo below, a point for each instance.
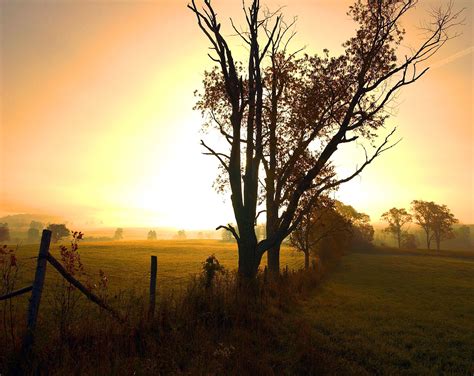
(127, 263)
(379, 312)
(393, 314)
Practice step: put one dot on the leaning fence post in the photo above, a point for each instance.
(35, 299)
(151, 311)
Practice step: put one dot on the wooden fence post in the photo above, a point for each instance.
(154, 266)
(37, 290)
(78, 285)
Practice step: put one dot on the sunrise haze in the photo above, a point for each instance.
(98, 122)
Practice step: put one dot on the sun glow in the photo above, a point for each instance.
(97, 119)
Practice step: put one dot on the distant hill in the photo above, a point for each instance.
(19, 222)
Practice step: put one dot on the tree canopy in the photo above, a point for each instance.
(283, 115)
(58, 231)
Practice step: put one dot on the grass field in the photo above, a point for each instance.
(394, 314)
(381, 312)
(127, 263)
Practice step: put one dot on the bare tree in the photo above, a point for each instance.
(397, 219)
(325, 102)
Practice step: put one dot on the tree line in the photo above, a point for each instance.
(435, 220)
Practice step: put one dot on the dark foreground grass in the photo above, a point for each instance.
(373, 314)
(226, 328)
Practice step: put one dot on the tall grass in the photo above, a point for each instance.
(216, 325)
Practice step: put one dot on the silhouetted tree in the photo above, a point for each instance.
(436, 221)
(58, 231)
(286, 116)
(396, 218)
(321, 222)
(362, 230)
(151, 235)
(442, 225)
(118, 234)
(4, 232)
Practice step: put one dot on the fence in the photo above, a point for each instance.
(44, 257)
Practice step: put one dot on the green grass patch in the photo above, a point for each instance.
(394, 314)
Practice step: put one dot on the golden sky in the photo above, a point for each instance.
(97, 121)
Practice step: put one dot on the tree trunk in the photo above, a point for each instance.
(273, 254)
(428, 240)
(306, 260)
(249, 258)
(273, 259)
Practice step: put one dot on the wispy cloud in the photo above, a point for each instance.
(453, 57)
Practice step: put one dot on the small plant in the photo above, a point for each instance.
(70, 258)
(102, 285)
(8, 269)
(210, 268)
(9, 273)
(66, 298)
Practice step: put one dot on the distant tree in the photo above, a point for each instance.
(58, 231)
(151, 235)
(422, 213)
(362, 230)
(36, 225)
(443, 221)
(463, 235)
(323, 222)
(33, 235)
(118, 234)
(396, 218)
(226, 235)
(260, 231)
(408, 241)
(436, 221)
(4, 232)
(200, 235)
(181, 235)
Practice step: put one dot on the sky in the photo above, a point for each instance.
(97, 120)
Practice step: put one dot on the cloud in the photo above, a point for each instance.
(453, 57)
